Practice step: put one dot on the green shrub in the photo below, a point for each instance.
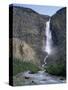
(20, 66)
(57, 69)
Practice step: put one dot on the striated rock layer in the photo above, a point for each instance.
(28, 34)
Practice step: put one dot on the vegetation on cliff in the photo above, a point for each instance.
(57, 69)
(21, 66)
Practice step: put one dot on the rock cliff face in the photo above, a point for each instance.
(28, 34)
(58, 29)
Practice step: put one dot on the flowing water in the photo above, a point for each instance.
(48, 43)
(41, 77)
(48, 35)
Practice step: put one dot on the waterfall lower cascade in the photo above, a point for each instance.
(48, 43)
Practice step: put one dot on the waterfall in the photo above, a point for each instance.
(48, 43)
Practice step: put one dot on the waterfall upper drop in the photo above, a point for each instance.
(48, 45)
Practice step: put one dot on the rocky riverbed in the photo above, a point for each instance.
(41, 77)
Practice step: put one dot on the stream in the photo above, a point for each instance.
(41, 77)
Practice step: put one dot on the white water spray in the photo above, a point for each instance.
(48, 43)
(48, 35)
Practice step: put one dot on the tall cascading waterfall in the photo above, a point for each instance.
(48, 43)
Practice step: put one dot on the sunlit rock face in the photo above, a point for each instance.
(28, 27)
